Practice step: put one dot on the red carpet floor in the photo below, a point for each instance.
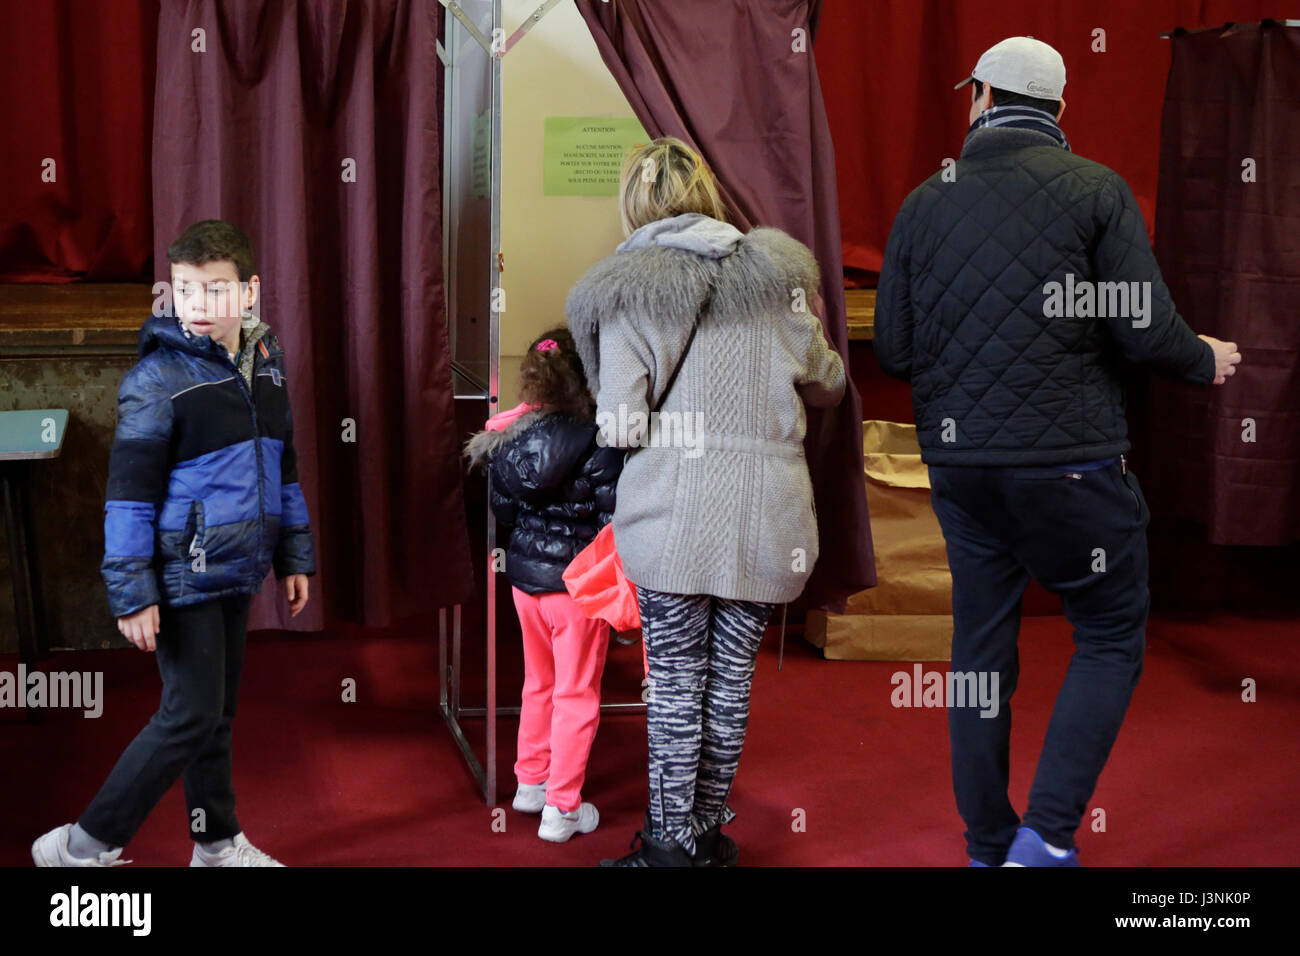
(1198, 777)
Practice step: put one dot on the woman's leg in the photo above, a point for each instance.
(580, 645)
(533, 763)
(675, 628)
(735, 632)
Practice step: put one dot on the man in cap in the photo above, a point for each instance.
(1015, 284)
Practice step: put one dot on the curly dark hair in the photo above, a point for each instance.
(555, 376)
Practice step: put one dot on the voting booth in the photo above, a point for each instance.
(520, 224)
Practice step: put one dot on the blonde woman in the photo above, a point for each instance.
(714, 519)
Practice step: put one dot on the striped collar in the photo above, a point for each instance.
(1019, 117)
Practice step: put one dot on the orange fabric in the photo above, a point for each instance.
(596, 582)
(500, 420)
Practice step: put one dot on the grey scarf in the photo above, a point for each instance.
(1020, 117)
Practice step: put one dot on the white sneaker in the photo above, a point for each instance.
(558, 827)
(52, 850)
(242, 853)
(530, 797)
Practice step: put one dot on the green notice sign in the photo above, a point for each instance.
(583, 155)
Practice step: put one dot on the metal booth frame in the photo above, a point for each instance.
(463, 36)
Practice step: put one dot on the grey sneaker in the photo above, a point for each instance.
(530, 797)
(242, 853)
(557, 827)
(52, 850)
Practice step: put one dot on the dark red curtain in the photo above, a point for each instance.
(1224, 462)
(888, 68)
(78, 79)
(265, 129)
(728, 77)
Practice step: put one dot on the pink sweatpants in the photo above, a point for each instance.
(564, 658)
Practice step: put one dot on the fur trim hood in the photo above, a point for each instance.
(663, 280)
(482, 445)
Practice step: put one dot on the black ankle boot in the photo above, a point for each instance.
(712, 848)
(715, 848)
(652, 852)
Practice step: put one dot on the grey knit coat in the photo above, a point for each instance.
(717, 498)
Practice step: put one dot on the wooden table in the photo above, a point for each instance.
(860, 309)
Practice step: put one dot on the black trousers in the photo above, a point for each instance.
(1082, 535)
(200, 652)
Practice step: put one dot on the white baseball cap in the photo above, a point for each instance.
(1021, 65)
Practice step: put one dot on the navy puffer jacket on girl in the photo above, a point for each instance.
(553, 485)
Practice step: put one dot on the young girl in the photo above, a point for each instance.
(553, 486)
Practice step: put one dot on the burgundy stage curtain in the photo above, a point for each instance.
(1230, 251)
(723, 76)
(888, 67)
(264, 129)
(78, 80)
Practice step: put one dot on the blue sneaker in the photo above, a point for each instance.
(975, 862)
(1028, 849)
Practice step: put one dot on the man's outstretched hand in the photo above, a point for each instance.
(1226, 358)
(295, 589)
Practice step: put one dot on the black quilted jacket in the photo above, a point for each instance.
(962, 309)
(554, 486)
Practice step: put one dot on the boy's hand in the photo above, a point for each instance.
(1226, 358)
(141, 628)
(295, 589)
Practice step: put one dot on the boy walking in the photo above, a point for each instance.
(203, 500)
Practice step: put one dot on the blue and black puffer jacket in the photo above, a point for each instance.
(203, 495)
(553, 485)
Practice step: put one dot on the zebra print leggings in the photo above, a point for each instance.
(701, 650)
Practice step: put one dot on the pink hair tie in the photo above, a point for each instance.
(545, 345)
